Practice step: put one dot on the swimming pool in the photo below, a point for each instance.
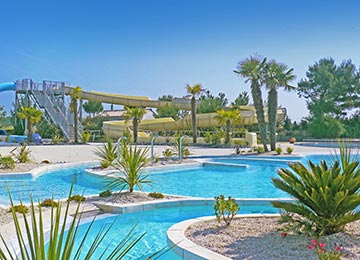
(253, 181)
(155, 223)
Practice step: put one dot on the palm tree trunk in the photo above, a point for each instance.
(227, 138)
(135, 130)
(259, 107)
(272, 107)
(29, 129)
(193, 118)
(76, 122)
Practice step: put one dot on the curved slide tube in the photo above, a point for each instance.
(116, 128)
(7, 86)
(125, 100)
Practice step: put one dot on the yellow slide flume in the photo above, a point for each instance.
(116, 128)
(126, 100)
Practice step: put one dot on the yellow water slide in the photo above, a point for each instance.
(116, 128)
(126, 100)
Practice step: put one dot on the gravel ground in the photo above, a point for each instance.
(259, 238)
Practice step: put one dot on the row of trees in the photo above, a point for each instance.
(332, 94)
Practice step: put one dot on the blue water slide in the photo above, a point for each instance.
(7, 86)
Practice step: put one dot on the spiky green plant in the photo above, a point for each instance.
(131, 164)
(32, 242)
(7, 162)
(106, 153)
(23, 153)
(176, 148)
(167, 154)
(327, 196)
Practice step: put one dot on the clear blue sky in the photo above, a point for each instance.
(155, 47)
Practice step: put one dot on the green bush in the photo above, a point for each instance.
(260, 149)
(19, 208)
(85, 137)
(156, 195)
(225, 209)
(49, 203)
(57, 139)
(278, 150)
(77, 198)
(167, 154)
(207, 137)
(23, 153)
(7, 162)
(106, 193)
(289, 149)
(107, 153)
(327, 196)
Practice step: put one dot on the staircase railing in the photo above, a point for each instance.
(56, 115)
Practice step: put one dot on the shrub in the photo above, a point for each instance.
(260, 149)
(278, 150)
(167, 154)
(48, 203)
(289, 149)
(7, 162)
(176, 148)
(238, 144)
(20, 208)
(156, 195)
(225, 209)
(23, 153)
(106, 193)
(324, 253)
(85, 137)
(207, 137)
(327, 196)
(133, 161)
(77, 198)
(107, 154)
(57, 139)
(292, 140)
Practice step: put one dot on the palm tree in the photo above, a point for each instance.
(228, 117)
(136, 114)
(252, 69)
(276, 75)
(194, 91)
(32, 116)
(131, 164)
(74, 96)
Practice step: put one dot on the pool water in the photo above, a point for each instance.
(154, 223)
(254, 181)
(54, 183)
(208, 181)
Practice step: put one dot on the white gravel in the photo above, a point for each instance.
(260, 238)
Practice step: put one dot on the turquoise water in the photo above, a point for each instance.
(208, 181)
(154, 223)
(53, 183)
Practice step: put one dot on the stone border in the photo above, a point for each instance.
(187, 249)
(115, 208)
(45, 168)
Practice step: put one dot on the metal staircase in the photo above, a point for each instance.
(50, 97)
